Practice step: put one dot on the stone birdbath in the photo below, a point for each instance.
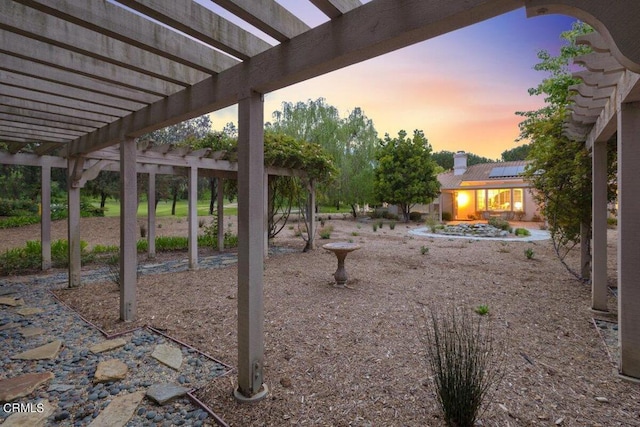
(341, 249)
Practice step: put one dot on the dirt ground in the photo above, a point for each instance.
(356, 356)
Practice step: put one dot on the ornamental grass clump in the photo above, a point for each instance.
(461, 354)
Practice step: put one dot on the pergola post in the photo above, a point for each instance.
(220, 210)
(73, 220)
(266, 216)
(250, 249)
(193, 217)
(599, 227)
(628, 238)
(128, 225)
(45, 214)
(311, 214)
(151, 216)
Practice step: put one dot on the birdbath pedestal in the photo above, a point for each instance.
(341, 249)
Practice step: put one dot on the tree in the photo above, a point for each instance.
(350, 142)
(560, 168)
(183, 133)
(520, 152)
(405, 174)
(444, 158)
(105, 185)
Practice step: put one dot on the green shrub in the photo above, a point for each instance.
(325, 233)
(521, 232)
(105, 249)
(18, 221)
(392, 225)
(529, 253)
(415, 216)
(482, 309)
(7, 206)
(432, 222)
(380, 224)
(355, 233)
(446, 216)
(375, 227)
(612, 222)
(500, 223)
(60, 253)
(14, 261)
(460, 353)
(424, 250)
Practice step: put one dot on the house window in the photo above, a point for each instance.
(499, 200)
(481, 200)
(518, 199)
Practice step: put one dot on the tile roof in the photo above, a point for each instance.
(479, 172)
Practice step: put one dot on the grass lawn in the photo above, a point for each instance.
(112, 208)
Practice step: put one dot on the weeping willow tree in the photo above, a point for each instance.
(560, 168)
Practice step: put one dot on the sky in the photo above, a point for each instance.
(462, 89)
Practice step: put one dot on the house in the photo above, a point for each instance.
(485, 190)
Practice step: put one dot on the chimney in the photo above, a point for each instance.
(459, 163)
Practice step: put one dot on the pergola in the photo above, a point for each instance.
(82, 79)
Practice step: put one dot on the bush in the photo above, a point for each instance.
(415, 216)
(392, 225)
(325, 233)
(612, 222)
(11, 207)
(529, 253)
(500, 223)
(460, 351)
(521, 232)
(18, 221)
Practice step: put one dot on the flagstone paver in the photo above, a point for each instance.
(29, 311)
(110, 370)
(165, 393)
(30, 331)
(119, 411)
(169, 355)
(9, 325)
(107, 345)
(22, 385)
(35, 418)
(47, 351)
(12, 302)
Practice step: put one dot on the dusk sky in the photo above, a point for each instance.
(462, 89)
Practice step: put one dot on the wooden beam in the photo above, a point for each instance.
(373, 29)
(616, 22)
(38, 122)
(66, 91)
(136, 30)
(99, 119)
(70, 79)
(335, 8)
(37, 135)
(69, 122)
(267, 16)
(45, 98)
(251, 385)
(128, 230)
(58, 132)
(203, 24)
(18, 45)
(55, 31)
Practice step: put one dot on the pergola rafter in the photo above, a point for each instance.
(80, 79)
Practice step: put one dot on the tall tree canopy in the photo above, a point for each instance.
(406, 173)
(444, 158)
(520, 152)
(560, 168)
(350, 142)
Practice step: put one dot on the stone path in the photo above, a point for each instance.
(55, 368)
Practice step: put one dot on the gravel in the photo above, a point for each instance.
(72, 392)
